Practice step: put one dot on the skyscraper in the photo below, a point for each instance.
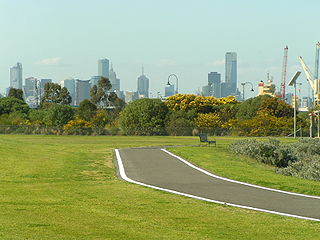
(115, 82)
(70, 85)
(214, 80)
(16, 76)
(82, 91)
(30, 87)
(231, 73)
(143, 85)
(103, 67)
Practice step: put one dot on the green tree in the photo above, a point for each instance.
(99, 93)
(276, 107)
(53, 93)
(144, 117)
(86, 110)
(11, 104)
(180, 123)
(58, 115)
(37, 116)
(16, 93)
(249, 108)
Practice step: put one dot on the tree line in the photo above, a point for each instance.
(181, 114)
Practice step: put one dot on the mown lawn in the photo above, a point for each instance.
(65, 187)
(220, 161)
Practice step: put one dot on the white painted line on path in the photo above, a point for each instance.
(124, 177)
(234, 181)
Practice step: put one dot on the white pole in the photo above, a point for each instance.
(295, 111)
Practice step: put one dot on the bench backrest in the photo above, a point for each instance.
(203, 137)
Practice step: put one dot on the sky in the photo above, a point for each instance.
(64, 39)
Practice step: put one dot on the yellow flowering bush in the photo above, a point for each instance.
(201, 104)
(77, 126)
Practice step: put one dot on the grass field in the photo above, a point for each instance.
(54, 187)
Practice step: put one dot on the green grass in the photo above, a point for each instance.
(220, 161)
(54, 187)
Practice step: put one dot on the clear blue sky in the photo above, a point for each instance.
(65, 38)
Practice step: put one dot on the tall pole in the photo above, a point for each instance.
(243, 91)
(295, 111)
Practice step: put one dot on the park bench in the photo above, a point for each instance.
(204, 139)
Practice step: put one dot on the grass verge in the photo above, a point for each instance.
(65, 187)
(220, 161)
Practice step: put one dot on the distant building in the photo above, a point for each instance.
(131, 96)
(70, 84)
(94, 80)
(82, 91)
(103, 67)
(289, 98)
(230, 87)
(143, 85)
(214, 80)
(42, 84)
(115, 82)
(169, 90)
(207, 91)
(16, 76)
(30, 87)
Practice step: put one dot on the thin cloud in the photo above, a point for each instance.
(167, 62)
(219, 62)
(49, 61)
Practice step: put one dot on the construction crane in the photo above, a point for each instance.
(316, 67)
(314, 83)
(284, 73)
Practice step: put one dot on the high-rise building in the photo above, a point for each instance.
(103, 67)
(231, 74)
(42, 84)
(82, 91)
(30, 87)
(70, 85)
(143, 85)
(207, 91)
(115, 82)
(16, 76)
(214, 80)
(94, 80)
(131, 96)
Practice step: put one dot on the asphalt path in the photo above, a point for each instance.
(157, 168)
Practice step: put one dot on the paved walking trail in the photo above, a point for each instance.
(157, 168)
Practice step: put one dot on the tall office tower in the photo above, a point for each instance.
(30, 87)
(214, 80)
(94, 80)
(70, 85)
(82, 91)
(143, 85)
(41, 87)
(207, 91)
(231, 74)
(115, 82)
(103, 67)
(16, 76)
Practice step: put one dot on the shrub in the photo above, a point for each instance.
(271, 153)
(180, 123)
(301, 159)
(144, 117)
(79, 127)
(58, 115)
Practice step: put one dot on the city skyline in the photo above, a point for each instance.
(67, 43)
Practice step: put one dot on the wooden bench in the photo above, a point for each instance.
(204, 139)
